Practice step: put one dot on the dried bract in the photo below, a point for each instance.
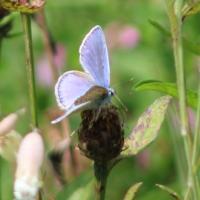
(101, 135)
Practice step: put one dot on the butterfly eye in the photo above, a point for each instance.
(111, 92)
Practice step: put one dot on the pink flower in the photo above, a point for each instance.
(122, 36)
(128, 37)
(44, 71)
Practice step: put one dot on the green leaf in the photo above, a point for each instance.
(80, 188)
(171, 192)
(167, 88)
(159, 27)
(194, 47)
(147, 127)
(130, 195)
(190, 9)
(8, 19)
(15, 34)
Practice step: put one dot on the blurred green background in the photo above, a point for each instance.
(142, 53)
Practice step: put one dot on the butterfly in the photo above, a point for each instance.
(78, 91)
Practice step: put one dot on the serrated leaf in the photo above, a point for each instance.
(190, 9)
(167, 88)
(130, 195)
(81, 187)
(171, 192)
(194, 47)
(147, 127)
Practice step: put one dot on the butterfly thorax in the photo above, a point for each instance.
(96, 94)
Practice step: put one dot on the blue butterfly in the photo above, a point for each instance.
(75, 90)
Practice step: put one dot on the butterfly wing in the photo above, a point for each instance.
(94, 56)
(69, 88)
(70, 110)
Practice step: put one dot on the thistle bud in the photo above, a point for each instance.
(101, 135)
(23, 6)
(29, 161)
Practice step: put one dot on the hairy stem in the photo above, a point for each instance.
(26, 21)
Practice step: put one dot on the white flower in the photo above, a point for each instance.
(29, 160)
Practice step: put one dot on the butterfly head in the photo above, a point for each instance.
(111, 92)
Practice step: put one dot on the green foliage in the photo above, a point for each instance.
(147, 127)
(194, 47)
(130, 195)
(171, 192)
(81, 188)
(166, 88)
(190, 9)
(8, 18)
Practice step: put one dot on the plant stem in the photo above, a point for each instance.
(41, 20)
(174, 12)
(101, 173)
(26, 21)
(195, 153)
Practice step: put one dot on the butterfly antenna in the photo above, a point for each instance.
(130, 80)
(55, 121)
(121, 103)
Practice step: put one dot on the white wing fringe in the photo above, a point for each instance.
(55, 121)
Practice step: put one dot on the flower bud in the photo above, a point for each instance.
(23, 6)
(29, 161)
(9, 122)
(101, 135)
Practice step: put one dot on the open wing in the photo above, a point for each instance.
(71, 86)
(94, 56)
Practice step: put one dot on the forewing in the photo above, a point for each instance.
(71, 86)
(94, 56)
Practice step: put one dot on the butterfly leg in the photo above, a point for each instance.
(95, 118)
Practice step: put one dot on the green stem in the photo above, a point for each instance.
(26, 21)
(101, 173)
(1, 43)
(174, 12)
(197, 132)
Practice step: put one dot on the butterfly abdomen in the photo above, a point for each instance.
(96, 93)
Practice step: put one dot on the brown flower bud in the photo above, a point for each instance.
(23, 6)
(101, 135)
